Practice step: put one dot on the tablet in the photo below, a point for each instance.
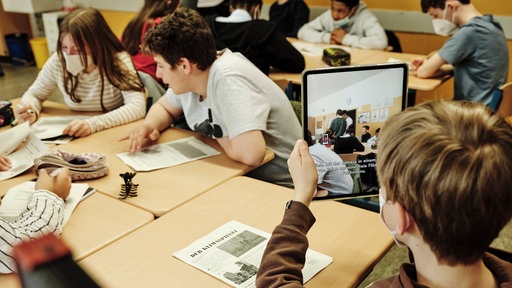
(337, 103)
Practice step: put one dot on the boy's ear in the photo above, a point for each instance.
(185, 65)
(453, 4)
(404, 220)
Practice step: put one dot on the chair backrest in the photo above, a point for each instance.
(393, 41)
(496, 97)
(505, 106)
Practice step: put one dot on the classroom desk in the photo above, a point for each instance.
(419, 84)
(354, 237)
(160, 190)
(358, 56)
(314, 61)
(96, 222)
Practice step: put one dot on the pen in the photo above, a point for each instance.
(14, 122)
(28, 110)
(56, 172)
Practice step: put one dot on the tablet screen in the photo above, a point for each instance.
(344, 109)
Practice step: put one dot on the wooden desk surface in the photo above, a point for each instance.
(160, 190)
(315, 61)
(420, 84)
(96, 222)
(355, 238)
(361, 57)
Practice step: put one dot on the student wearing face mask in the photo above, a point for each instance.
(349, 23)
(445, 200)
(477, 50)
(258, 40)
(93, 72)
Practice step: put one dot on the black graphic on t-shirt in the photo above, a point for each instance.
(207, 128)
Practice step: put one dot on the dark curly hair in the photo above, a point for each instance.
(350, 3)
(183, 34)
(427, 4)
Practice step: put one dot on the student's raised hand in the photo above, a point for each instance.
(140, 137)
(5, 163)
(303, 171)
(60, 184)
(78, 128)
(25, 113)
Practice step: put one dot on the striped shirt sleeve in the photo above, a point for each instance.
(133, 105)
(44, 85)
(44, 215)
(123, 106)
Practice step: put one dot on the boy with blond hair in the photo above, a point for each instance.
(444, 169)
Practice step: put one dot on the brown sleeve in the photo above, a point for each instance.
(285, 254)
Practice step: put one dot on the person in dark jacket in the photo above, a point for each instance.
(289, 16)
(348, 143)
(258, 40)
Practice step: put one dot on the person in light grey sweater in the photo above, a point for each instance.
(347, 22)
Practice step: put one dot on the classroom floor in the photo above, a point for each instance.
(18, 78)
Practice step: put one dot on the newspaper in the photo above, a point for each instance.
(232, 253)
(168, 154)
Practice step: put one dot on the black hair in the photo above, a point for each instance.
(350, 3)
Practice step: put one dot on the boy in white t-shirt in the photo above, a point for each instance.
(222, 96)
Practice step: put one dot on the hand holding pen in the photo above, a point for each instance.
(25, 113)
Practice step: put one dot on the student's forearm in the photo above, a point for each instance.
(285, 254)
(133, 109)
(248, 148)
(158, 117)
(434, 66)
(247, 155)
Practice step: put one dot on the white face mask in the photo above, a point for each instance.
(73, 63)
(342, 22)
(393, 233)
(444, 27)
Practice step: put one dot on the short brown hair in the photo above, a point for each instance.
(183, 34)
(449, 164)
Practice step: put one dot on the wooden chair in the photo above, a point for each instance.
(505, 105)
(393, 42)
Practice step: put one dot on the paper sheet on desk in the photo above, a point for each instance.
(49, 129)
(313, 49)
(233, 252)
(13, 137)
(168, 154)
(23, 158)
(394, 60)
(16, 200)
